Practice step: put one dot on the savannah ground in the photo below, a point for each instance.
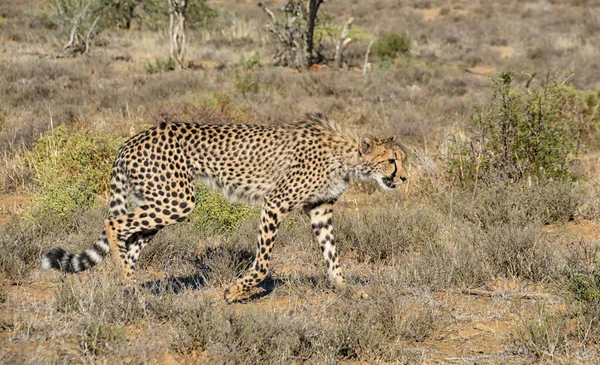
(492, 272)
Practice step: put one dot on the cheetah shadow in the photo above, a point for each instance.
(178, 285)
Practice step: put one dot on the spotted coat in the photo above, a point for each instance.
(307, 164)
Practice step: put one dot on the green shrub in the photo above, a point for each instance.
(200, 15)
(245, 81)
(391, 46)
(583, 272)
(71, 170)
(160, 65)
(521, 135)
(215, 214)
(585, 285)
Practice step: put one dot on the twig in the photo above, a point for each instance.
(342, 42)
(365, 66)
(88, 37)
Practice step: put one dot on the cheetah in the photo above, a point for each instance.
(306, 164)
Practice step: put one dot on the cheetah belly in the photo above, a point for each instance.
(236, 192)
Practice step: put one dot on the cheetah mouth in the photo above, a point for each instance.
(388, 183)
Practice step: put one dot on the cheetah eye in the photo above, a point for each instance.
(392, 161)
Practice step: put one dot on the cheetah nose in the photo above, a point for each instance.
(402, 178)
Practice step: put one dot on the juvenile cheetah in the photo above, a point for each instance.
(305, 164)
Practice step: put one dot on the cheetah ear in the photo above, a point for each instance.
(366, 144)
(392, 139)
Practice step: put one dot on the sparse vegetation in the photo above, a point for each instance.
(487, 254)
(522, 135)
(545, 334)
(583, 272)
(245, 80)
(160, 65)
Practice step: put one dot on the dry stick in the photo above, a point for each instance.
(88, 37)
(181, 45)
(342, 42)
(364, 72)
(171, 17)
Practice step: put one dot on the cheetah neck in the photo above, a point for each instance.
(345, 152)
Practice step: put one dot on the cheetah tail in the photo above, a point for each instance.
(67, 262)
(64, 261)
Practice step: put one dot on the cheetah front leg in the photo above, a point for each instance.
(270, 218)
(321, 216)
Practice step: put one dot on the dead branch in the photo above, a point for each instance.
(366, 65)
(342, 42)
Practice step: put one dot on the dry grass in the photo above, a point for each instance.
(486, 275)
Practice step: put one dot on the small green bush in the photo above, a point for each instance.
(585, 285)
(521, 135)
(391, 46)
(160, 65)
(200, 15)
(215, 214)
(583, 272)
(71, 170)
(245, 81)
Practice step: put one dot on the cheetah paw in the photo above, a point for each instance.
(235, 294)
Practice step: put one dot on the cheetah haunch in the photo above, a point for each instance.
(305, 164)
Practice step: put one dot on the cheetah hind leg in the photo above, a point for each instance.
(135, 244)
(118, 231)
(245, 287)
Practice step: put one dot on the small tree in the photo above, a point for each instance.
(79, 22)
(295, 33)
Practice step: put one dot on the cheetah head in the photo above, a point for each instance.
(382, 161)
